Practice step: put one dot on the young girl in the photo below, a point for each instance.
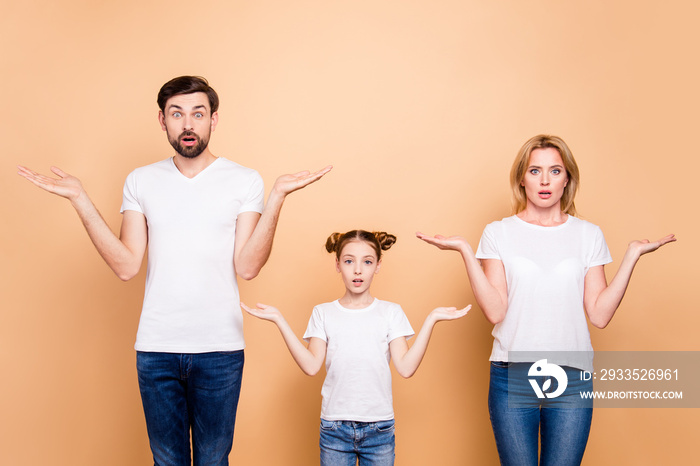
(356, 335)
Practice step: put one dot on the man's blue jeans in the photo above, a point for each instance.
(563, 423)
(190, 391)
(343, 443)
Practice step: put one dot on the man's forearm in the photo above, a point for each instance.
(256, 250)
(124, 262)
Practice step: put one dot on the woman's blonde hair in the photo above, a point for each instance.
(379, 240)
(522, 161)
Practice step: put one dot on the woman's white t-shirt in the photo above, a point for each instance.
(545, 273)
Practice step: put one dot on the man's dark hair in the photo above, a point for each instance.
(187, 85)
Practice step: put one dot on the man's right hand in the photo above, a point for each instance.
(123, 254)
(65, 185)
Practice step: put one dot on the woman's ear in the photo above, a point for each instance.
(337, 265)
(379, 264)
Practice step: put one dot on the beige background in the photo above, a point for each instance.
(421, 106)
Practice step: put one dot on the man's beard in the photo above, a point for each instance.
(190, 152)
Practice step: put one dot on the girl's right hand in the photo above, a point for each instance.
(453, 243)
(263, 311)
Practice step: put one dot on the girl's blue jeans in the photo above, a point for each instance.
(343, 443)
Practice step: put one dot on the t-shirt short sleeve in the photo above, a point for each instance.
(600, 254)
(399, 326)
(129, 199)
(316, 327)
(488, 248)
(255, 199)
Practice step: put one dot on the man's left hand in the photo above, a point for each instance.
(287, 184)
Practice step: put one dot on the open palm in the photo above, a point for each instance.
(65, 185)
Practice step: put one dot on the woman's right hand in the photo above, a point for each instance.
(451, 243)
(265, 312)
(641, 247)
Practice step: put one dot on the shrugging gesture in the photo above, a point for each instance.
(602, 300)
(203, 216)
(555, 277)
(308, 359)
(254, 233)
(122, 254)
(645, 246)
(354, 334)
(446, 243)
(65, 185)
(287, 184)
(488, 283)
(406, 360)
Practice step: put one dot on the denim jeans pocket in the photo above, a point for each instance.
(328, 425)
(502, 364)
(385, 426)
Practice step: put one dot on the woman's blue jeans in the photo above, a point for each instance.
(562, 423)
(343, 443)
(183, 392)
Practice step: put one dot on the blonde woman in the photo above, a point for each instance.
(537, 275)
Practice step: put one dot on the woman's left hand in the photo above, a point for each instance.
(644, 246)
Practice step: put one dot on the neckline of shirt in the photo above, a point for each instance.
(364, 309)
(542, 227)
(198, 175)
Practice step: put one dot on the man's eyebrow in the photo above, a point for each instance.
(198, 108)
(177, 107)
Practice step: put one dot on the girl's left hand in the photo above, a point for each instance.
(644, 246)
(263, 311)
(449, 313)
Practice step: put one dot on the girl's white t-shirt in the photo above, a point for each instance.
(358, 378)
(545, 273)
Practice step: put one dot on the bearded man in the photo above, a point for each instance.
(204, 221)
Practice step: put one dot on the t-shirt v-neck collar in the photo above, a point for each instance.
(198, 175)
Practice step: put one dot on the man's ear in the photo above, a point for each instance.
(214, 120)
(161, 120)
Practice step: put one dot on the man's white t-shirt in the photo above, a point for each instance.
(191, 302)
(358, 377)
(545, 273)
